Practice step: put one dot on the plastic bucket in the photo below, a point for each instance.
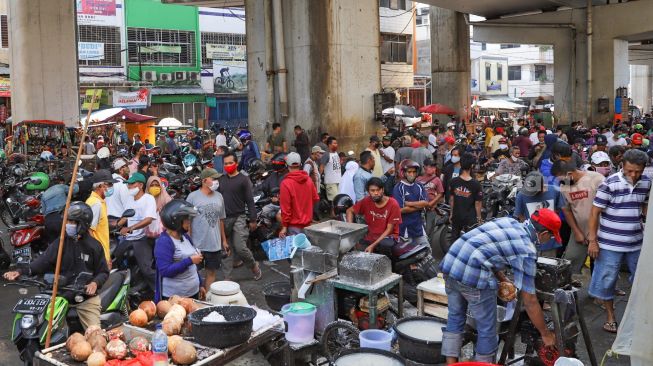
(374, 338)
(300, 321)
(300, 241)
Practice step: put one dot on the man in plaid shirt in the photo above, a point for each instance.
(473, 268)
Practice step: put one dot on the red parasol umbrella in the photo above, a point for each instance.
(437, 109)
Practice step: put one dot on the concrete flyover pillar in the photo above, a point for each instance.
(43, 60)
(332, 62)
(450, 64)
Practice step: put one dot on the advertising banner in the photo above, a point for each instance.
(138, 99)
(229, 77)
(90, 51)
(97, 12)
(225, 51)
(5, 89)
(92, 99)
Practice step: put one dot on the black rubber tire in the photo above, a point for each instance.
(337, 337)
(6, 218)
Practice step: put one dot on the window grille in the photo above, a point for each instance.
(110, 36)
(161, 47)
(219, 38)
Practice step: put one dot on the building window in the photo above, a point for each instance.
(488, 71)
(514, 72)
(189, 113)
(161, 46)
(394, 4)
(107, 36)
(219, 39)
(394, 48)
(483, 46)
(4, 31)
(540, 72)
(499, 72)
(503, 46)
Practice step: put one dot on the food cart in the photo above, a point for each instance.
(206, 356)
(109, 122)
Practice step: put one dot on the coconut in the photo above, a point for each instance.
(171, 327)
(185, 353)
(177, 308)
(149, 308)
(81, 350)
(139, 344)
(162, 308)
(96, 359)
(116, 349)
(92, 330)
(173, 341)
(187, 304)
(97, 341)
(73, 340)
(138, 318)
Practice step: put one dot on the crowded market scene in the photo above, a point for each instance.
(491, 215)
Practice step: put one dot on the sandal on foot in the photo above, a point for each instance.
(619, 292)
(258, 273)
(610, 327)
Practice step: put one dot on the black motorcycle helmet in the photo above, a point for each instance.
(256, 166)
(341, 203)
(82, 214)
(174, 213)
(278, 162)
(274, 191)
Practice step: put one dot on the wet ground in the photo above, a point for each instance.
(594, 315)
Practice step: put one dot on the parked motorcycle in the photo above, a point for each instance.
(32, 313)
(499, 196)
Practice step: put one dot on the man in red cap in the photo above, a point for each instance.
(636, 140)
(495, 141)
(474, 268)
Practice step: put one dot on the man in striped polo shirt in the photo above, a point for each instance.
(616, 230)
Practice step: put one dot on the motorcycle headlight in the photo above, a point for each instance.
(79, 298)
(27, 321)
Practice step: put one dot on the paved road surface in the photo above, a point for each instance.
(601, 340)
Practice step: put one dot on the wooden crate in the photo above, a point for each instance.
(432, 299)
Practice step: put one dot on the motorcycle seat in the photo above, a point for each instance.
(110, 288)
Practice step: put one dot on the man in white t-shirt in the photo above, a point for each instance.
(220, 139)
(616, 140)
(330, 167)
(433, 139)
(144, 206)
(387, 154)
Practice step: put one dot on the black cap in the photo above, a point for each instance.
(601, 140)
(103, 176)
(375, 138)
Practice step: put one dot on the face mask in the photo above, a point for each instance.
(411, 178)
(215, 185)
(230, 169)
(133, 192)
(377, 199)
(109, 192)
(455, 159)
(503, 146)
(71, 230)
(604, 170)
(514, 158)
(154, 191)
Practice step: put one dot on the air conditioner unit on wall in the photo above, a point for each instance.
(193, 75)
(180, 75)
(148, 76)
(165, 76)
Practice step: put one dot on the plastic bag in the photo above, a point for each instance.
(278, 249)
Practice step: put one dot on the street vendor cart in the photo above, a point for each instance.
(30, 137)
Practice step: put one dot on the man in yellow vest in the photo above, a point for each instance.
(99, 229)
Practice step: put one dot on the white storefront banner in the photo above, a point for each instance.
(138, 99)
(90, 51)
(225, 51)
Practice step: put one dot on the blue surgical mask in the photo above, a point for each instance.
(109, 192)
(71, 230)
(455, 159)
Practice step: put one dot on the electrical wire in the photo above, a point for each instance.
(397, 15)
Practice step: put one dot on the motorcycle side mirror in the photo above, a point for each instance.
(129, 213)
(48, 278)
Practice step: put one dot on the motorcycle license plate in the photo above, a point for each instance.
(32, 305)
(23, 255)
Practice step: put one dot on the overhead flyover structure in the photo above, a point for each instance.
(594, 42)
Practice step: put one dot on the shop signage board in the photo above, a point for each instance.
(92, 99)
(225, 51)
(90, 51)
(5, 88)
(97, 12)
(136, 99)
(229, 77)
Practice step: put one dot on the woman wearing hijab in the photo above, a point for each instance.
(347, 182)
(155, 187)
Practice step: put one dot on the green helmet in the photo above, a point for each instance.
(45, 182)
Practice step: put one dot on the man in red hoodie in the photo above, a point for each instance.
(296, 195)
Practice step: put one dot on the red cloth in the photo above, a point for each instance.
(378, 218)
(296, 196)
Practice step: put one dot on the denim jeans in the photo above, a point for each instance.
(606, 271)
(482, 305)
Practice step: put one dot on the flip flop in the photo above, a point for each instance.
(610, 327)
(619, 292)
